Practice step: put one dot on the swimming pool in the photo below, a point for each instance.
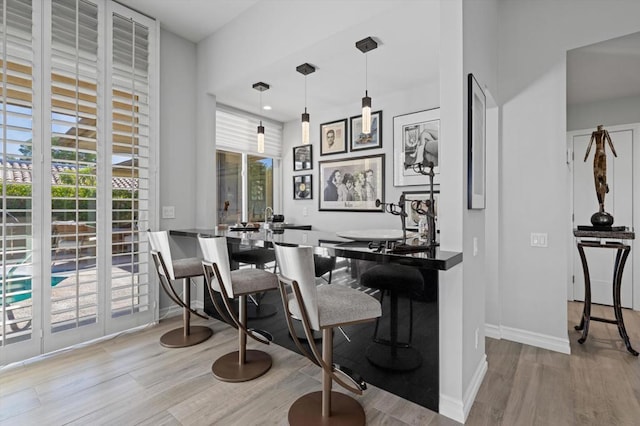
(21, 284)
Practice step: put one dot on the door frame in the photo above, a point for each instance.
(571, 245)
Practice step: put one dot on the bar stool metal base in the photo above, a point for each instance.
(227, 368)
(177, 339)
(345, 410)
(383, 356)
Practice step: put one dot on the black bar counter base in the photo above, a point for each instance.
(416, 381)
(622, 252)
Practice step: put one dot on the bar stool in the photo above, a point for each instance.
(322, 265)
(258, 257)
(322, 308)
(241, 365)
(394, 279)
(170, 270)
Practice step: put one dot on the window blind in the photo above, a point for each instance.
(16, 155)
(236, 131)
(130, 199)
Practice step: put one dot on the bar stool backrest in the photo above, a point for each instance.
(214, 250)
(296, 263)
(159, 241)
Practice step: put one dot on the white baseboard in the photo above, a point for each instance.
(451, 407)
(457, 409)
(530, 338)
(493, 331)
(474, 385)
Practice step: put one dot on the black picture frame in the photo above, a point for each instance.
(416, 139)
(476, 173)
(302, 157)
(361, 141)
(303, 187)
(368, 175)
(339, 143)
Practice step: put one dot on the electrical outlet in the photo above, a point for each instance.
(305, 212)
(168, 212)
(477, 331)
(539, 239)
(475, 246)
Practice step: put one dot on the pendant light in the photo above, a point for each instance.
(364, 46)
(261, 87)
(305, 69)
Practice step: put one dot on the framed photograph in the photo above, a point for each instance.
(302, 188)
(302, 157)
(477, 105)
(411, 199)
(352, 184)
(416, 140)
(360, 140)
(333, 137)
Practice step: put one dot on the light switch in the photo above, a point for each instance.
(539, 239)
(168, 212)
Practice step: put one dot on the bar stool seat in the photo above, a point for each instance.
(395, 279)
(258, 257)
(170, 270)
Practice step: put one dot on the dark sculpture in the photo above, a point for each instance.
(600, 218)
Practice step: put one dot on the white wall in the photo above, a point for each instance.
(416, 99)
(468, 45)
(609, 113)
(177, 140)
(534, 38)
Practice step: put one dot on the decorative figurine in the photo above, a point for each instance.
(601, 218)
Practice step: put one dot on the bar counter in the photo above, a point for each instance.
(328, 244)
(419, 384)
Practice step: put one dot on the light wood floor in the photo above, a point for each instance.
(131, 379)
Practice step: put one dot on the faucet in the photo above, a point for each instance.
(265, 214)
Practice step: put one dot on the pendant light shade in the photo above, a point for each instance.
(305, 69)
(366, 114)
(364, 46)
(305, 127)
(261, 138)
(261, 87)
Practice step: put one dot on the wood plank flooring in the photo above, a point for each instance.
(131, 379)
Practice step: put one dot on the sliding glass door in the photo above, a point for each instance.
(74, 261)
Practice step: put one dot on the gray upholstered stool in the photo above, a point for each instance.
(394, 279)
(170, 270)
(258, 257)
(243, 364)
(322, 308)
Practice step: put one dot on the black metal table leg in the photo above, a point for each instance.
(622, 253)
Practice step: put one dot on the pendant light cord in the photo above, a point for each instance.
(366, 74)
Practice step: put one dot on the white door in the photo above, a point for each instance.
(618, 202)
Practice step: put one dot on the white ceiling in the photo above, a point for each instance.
(407, 55)
(604, 71)
(598, 72)
(193, 20)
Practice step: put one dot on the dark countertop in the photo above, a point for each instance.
(593, 233)
(328, 244)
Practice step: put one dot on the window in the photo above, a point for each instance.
(233, 206)
(246, 181)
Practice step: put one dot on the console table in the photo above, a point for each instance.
(622, 252)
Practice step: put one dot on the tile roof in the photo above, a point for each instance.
(21, 172)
